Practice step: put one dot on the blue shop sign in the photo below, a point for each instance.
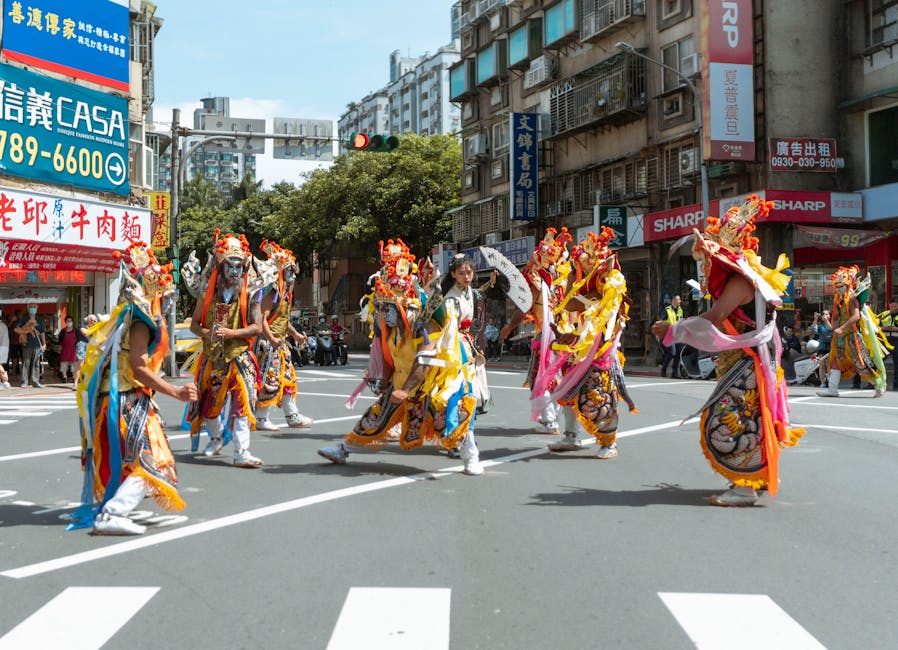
(523, 202)
(87, 39)
(60, 133)
(518, 251)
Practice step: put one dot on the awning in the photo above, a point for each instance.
(856, 104)
(454, 210)
(486, 200)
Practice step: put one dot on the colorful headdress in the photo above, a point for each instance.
(551, 248)
(594, 248)
(283, 258)
(733, 230)
(396, 281)
(845, 276)
(230, 246)
(154, 279)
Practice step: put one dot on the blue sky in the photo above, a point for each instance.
(285, 58)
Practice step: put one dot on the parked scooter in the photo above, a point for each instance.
(342, 349)
(696, 364)
(805, 367)
(324, 354)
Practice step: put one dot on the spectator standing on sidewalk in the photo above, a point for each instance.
(33, 337)
(4, 354)
(491, 333)
(888, 320)
(672, 314)
(68, 338)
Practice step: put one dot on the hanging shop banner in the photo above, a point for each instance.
(18, 255)
(729, 101)
(86, 40)
(160, 207)
(523, 201)
(614, 217)
(67, 278)
(802, 155)
(61, 133)
(803, 206)
(518, 251)
(14, 295)
(836, 238)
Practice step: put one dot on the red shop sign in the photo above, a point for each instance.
(19, 255)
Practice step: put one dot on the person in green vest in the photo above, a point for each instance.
(888, 320)
(228, 316)
(672, 314)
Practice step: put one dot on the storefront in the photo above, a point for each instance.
(58, 252)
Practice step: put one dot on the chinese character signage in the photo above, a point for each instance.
(68, 278)
(729, 102)
(518, 251)
(802, 155)
(86, 40)
(160, 208)
(838, 238)
(61, 133)
(614, 217)
(523, 166)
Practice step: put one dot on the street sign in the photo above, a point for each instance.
(160, 207)
(614, 217)
(309, 139)
(247, 145)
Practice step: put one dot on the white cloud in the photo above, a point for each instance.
(269, 170)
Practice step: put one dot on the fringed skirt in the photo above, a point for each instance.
(277, 373)
(218, 379)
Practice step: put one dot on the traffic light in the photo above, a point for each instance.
(365, 142)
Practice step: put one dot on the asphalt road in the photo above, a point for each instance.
(400, 550)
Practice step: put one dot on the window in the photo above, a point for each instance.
(500, 137)
(460, 80)
(671, 8)
(560, 20)
(497, 168)
(883, 162)
(673, 56)
(486, 64)
(518, 45)
(882, 22)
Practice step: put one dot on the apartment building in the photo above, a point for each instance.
(622, 133)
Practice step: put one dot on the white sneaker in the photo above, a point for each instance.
(5, 384)
(735, 498)
(25, 384)
(336, 454)
(214, 447)
(264, 424)
(829, 391)
(879, 392)
(473, 467)
(568, 443)
(37, 384)
(299, 421)
(607, 453)
(246, 459)
(106, 524)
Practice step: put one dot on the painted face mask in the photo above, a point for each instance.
(232, 269)
(289, 276)
(391, 316)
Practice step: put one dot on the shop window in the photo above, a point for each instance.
(883, 147)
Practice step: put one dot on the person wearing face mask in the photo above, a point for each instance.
(858, 343)
(272, 351)
(227, 317)
(68, 339)
(34, 342)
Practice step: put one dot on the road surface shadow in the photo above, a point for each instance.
(20, 515)
(662, 494)
(351, 468)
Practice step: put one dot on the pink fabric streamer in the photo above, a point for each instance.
(375, 370)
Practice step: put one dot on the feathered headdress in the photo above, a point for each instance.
(144, 270)
(230, 246)
(283, 258)
(551, 248)
(845, 276)
(733, 230)
(396, 281)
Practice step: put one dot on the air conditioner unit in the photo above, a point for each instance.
(689, 161)
(602, 197)
(589, 26)
(491, 238)
(476, 146)
(690, 65)
(542, 69)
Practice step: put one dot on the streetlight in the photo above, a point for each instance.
(697, 100)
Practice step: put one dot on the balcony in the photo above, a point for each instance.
(609, 94)
(603, 17)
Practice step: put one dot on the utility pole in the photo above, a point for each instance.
(173, 233)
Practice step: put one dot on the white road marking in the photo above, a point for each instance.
(8, 421)
(80, 618)
(840, 428)
(856, 406)
(138, 543)
(28, 414)
(340, 395)
(737, 622)
(392, 619)
(327, 373)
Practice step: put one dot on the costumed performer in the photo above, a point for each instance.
(124, 450)
(585, 377)
(745, 422)
(227, 317)
(421, 366)
(275, 366)
(858, 344)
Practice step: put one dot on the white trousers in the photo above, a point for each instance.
(241, 431)
(130, 493)
(549, 414)
(287, 404)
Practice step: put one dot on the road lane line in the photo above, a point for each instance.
(726, 621)
(838, 428)
(851, 406)
(80, 618)
(154, 539)
(393, 618)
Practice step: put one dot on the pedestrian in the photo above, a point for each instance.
(823, 330)
(857, 345)
(491, 334)
(589, 320)
(32, 336)
(673, 313)
(81, 344)
(888, 320)
(746, 420)
(421, 364)
(124, 451)
(15, 343)
(227, 317)
(68, 341)
(276, 370)
(4, 354)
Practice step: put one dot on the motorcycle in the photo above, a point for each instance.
(696, 364)
(342, 349)
(805, 368)
(324, 339)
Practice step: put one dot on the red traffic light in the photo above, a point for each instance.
(365, 142)
(358, 140)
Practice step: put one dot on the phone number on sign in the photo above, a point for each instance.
(73, 160)
(803, 161)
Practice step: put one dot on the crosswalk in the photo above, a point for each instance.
(15, 408)
(392, 618)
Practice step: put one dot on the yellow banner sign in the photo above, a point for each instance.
(160, 206)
